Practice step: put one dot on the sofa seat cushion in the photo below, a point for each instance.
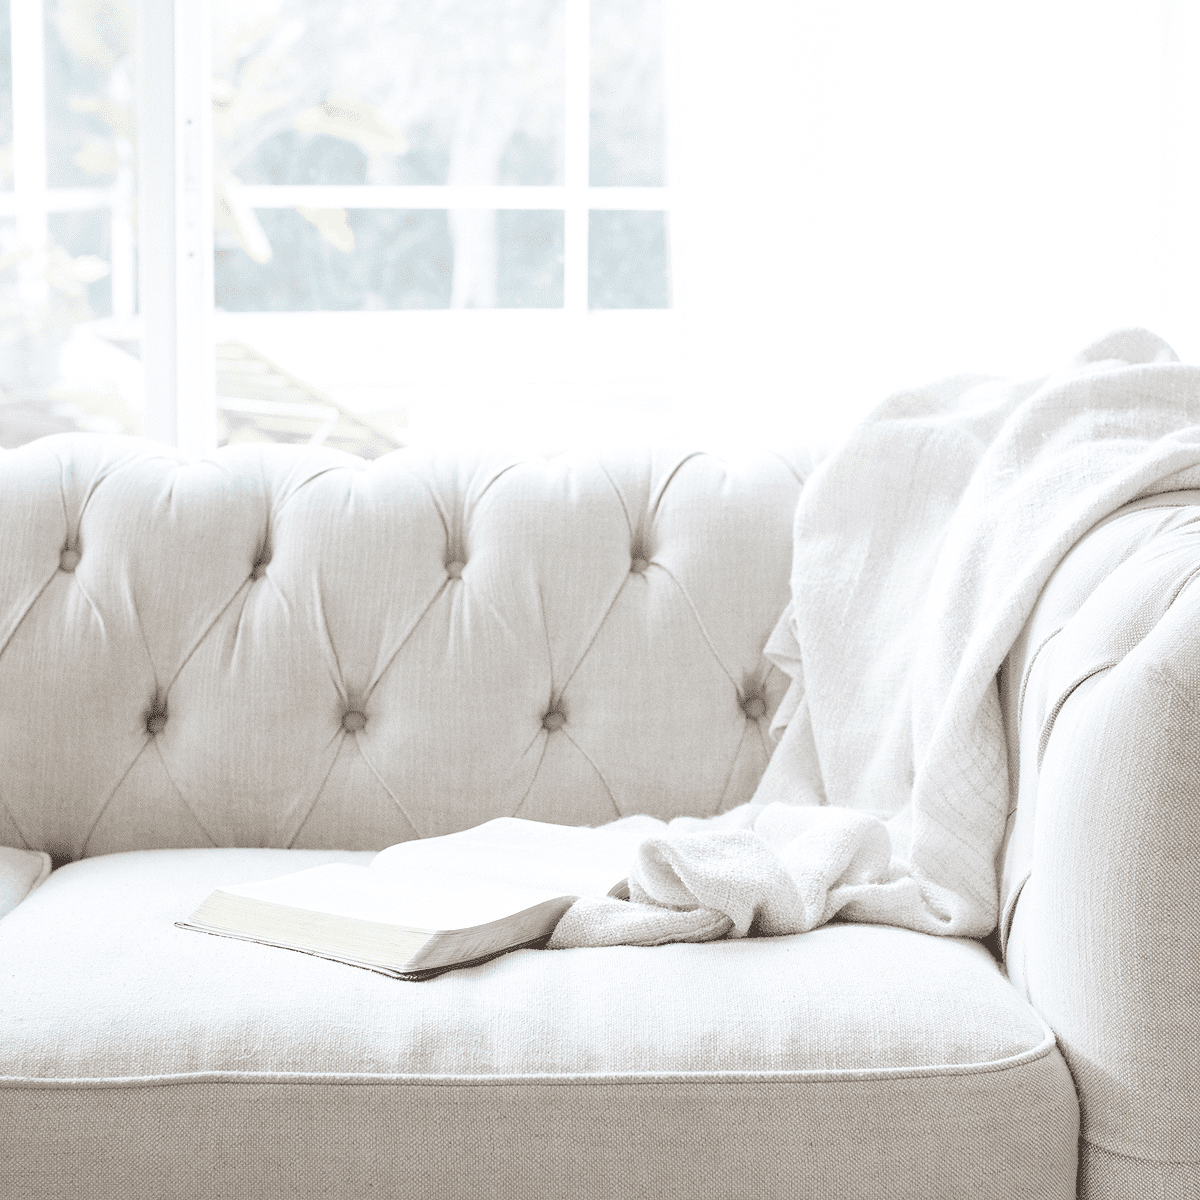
(880, 1056)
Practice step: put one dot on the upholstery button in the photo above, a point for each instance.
(353, 721)
(553, 721)
(639, 565)
(156, 723)
(754, 707)
(455, 569)
(68, 560)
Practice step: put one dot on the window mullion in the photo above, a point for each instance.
(446, 196)
(175, 280)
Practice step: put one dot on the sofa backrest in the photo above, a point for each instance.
(288, 646)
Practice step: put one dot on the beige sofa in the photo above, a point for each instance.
(180, 644)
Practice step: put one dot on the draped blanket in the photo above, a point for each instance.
(920, 547)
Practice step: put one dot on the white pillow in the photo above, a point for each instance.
(20, 872)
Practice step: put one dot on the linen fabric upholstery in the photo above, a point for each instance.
(853, 1061)
(20, 872)
(290, 649)
(1100, 903)
(182, 644)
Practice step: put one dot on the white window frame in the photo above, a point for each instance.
(572, 335)
(171, 308)
(175, 222)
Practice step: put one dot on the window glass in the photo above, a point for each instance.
(627, 142)
(68, 356)
(334, 259)
(462, 92)
(6, 129)
(84, 240)
(627, 259)
(529, 261)
(89, 90)
(437, 135)
(452, 91)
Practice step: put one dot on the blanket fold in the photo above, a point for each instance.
(920, 547)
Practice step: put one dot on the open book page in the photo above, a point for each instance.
(417, 899)
(560, 860)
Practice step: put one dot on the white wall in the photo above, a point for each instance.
(879, 193)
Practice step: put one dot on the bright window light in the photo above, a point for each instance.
(546, 222)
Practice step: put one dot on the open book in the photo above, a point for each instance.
(432, 904)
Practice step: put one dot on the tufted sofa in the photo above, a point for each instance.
(216, 671)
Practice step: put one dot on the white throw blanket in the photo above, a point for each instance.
(921, 545)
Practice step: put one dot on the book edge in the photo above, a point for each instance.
(411, 976)
(379, 968)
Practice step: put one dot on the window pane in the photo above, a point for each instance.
(291, 157)
(468, 94)
(6, 136)
(338, 260)
(84, 237)
(29, 339)
(261, 401)
(68, 355)
(627, 260)
(530, 261)
(465, 91)
(626, 94)
(89, 90)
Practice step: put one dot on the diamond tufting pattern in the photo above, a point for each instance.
(291, 647)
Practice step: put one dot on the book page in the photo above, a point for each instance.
(561, 860)
(417, 899)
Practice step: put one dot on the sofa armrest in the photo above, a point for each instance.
(1101, 876)
(21, 871)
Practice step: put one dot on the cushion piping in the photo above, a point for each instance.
(843, 1075)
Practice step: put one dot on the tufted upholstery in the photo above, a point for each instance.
(292, 648)
(298, 657)
(1101, 696)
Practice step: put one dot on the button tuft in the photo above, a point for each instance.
(553, 721)
(455, 569)
(353, 721)
(754, 707)
(156, 723)
(262, 560)
(68, 560)
(639, 565)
